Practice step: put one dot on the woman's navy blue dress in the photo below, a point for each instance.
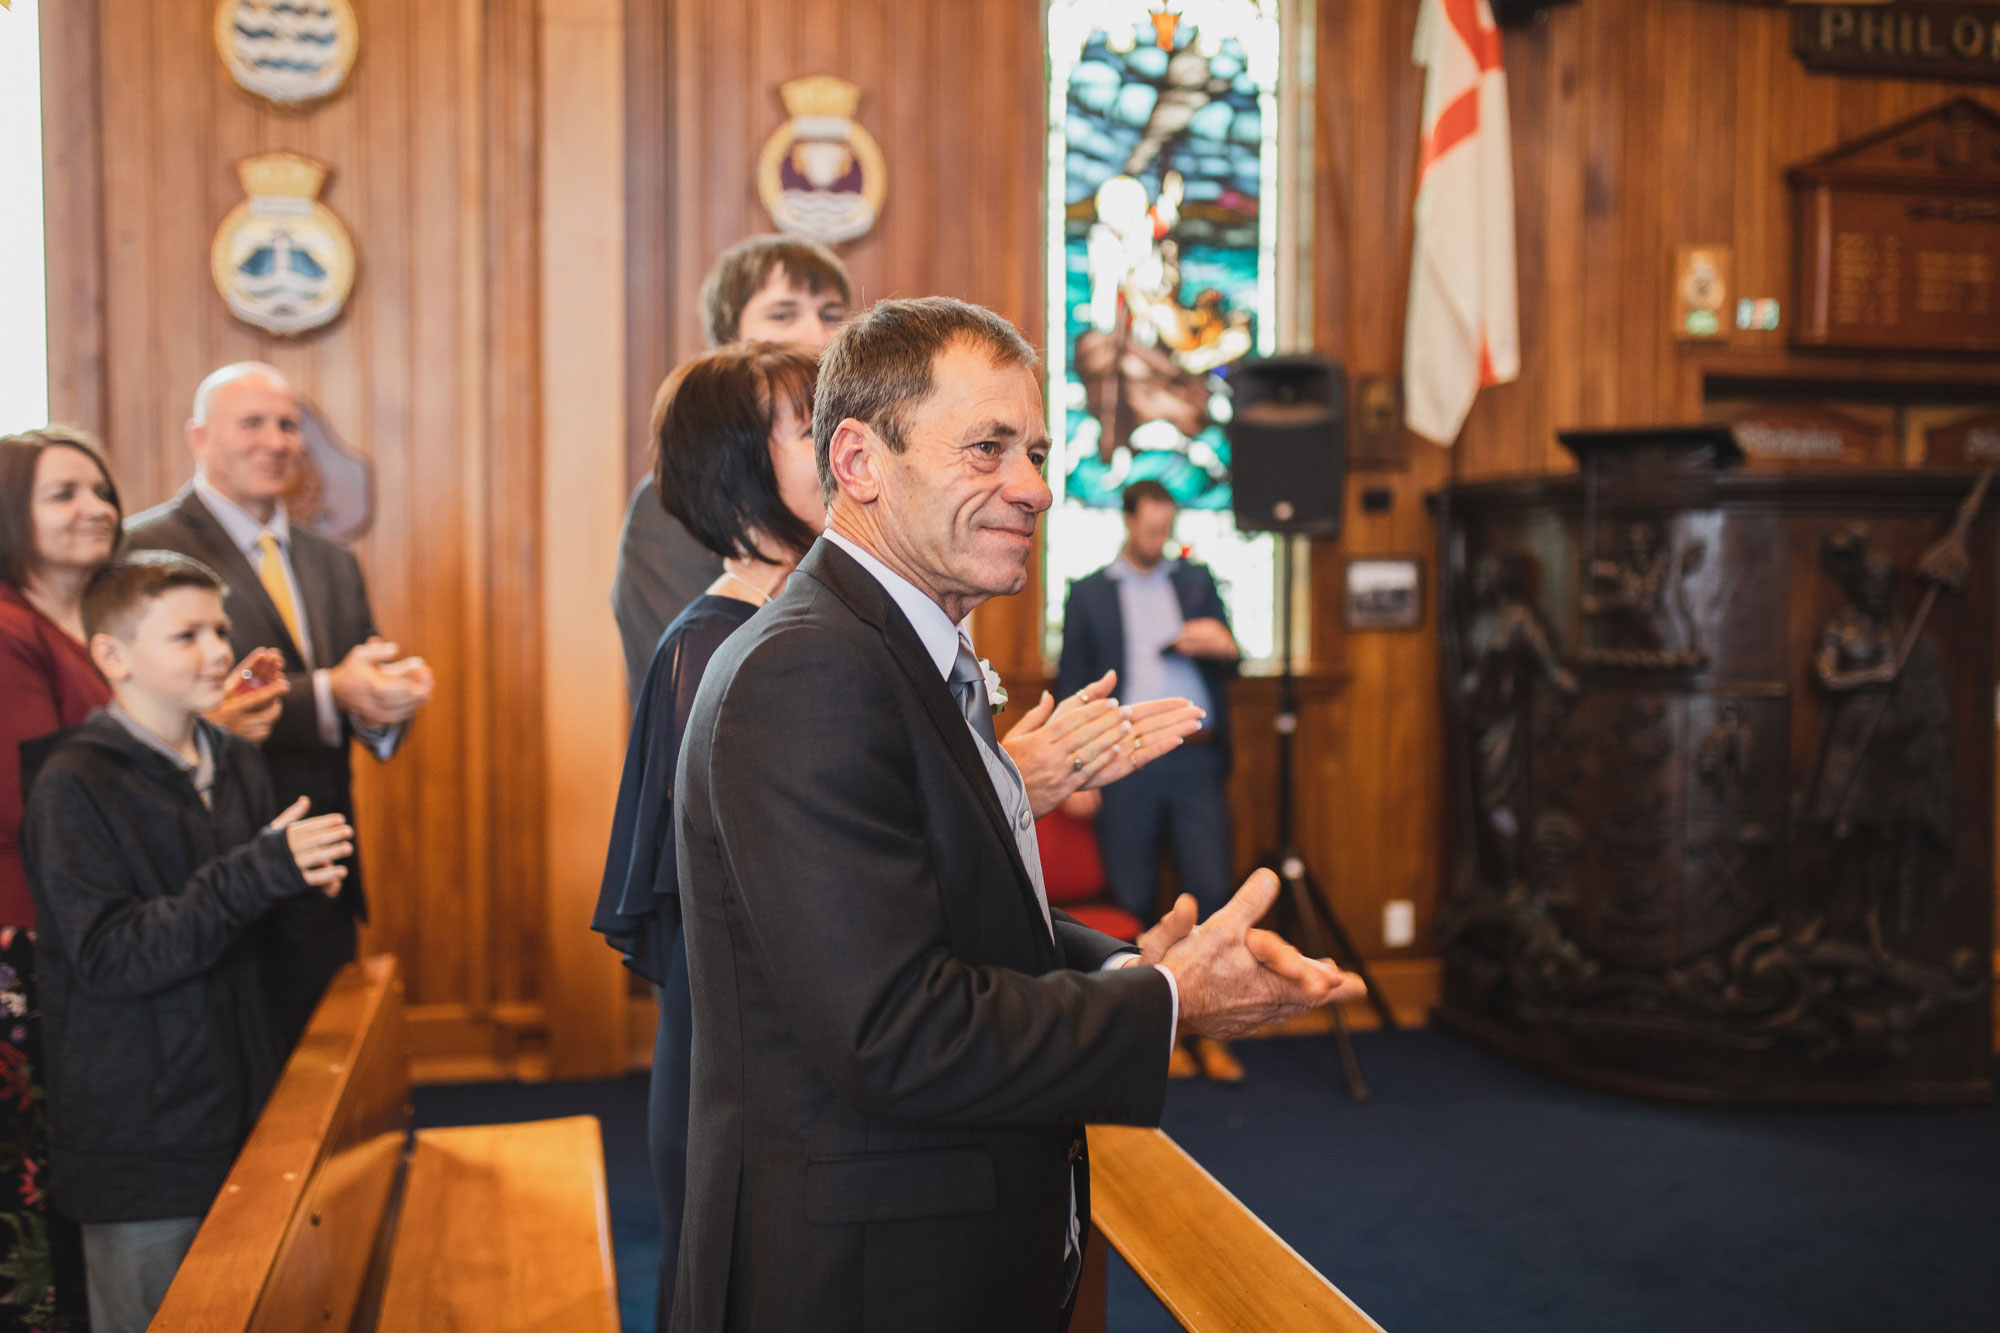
(638, 907)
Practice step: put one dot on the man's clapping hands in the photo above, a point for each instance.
(377, 687)
(1233, 977)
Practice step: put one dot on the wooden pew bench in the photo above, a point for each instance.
(492, 1233)
(333, 1219)
(1212, 1262)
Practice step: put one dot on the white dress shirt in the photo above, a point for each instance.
(245, 530)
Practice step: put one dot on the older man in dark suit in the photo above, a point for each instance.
(897, 1041)
(293, 590)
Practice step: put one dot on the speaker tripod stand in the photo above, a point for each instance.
(1309, 906)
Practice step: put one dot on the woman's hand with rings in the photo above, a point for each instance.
(1061, 747)
(1158, 727)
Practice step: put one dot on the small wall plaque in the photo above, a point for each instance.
(289, 52)
(281, 260)
(1383, 593)
(1701, 292)
(821, 175)
(1898, 236)
(1758, 314)
(1375, 432)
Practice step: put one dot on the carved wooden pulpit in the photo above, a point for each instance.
(1721, 757)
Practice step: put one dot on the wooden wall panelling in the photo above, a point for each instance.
(1604, 110)
(1368, 797)
(128, 192)
(430, 373)
(1760, 195)
(955, 98)
(470, 620)
(582, 204)
(1636, 97)
(1556, 360)
(917, 192)
(505, 620)
(1638, 128)
(1533, 118)
(380, 399)
(1679, 172)
(1006, 261)
(437, 534)
(775, 51)
(73, 216)
(649, 221)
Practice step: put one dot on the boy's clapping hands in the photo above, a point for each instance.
(257, 689)
(317, 844)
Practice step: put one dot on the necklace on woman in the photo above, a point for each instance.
(762, 596)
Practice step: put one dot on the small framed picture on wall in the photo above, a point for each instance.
(1383, 592)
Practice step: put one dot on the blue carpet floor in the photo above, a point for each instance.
(1470, 1195)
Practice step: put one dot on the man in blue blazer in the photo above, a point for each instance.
(1161, 625)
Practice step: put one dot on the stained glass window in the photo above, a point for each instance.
(1163, 183)
(24, 352)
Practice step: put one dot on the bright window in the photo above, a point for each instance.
(1163, 261)
(24, 337)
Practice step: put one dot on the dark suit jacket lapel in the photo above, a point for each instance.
(247, 600)
(1110, 613)
(316, 590)
(1187, 590)
(869, 600)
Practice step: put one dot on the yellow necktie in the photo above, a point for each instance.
(271, 571)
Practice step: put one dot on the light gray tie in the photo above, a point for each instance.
(968, 686)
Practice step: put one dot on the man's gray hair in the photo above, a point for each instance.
(878, 367)
(229, 374)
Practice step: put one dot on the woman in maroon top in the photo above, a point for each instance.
(59, 516)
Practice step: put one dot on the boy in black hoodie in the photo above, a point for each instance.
(150, 847)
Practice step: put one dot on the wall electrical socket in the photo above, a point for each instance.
(1399, 923)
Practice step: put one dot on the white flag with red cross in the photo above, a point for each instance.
(1462, 333)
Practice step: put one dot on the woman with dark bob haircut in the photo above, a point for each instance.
(59, 517)
(733, 431)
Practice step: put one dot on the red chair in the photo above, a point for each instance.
(1073, 873)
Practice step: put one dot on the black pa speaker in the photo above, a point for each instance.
(1513, 13)
(1288, 445)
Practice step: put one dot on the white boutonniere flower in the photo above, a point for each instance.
(996, 693)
